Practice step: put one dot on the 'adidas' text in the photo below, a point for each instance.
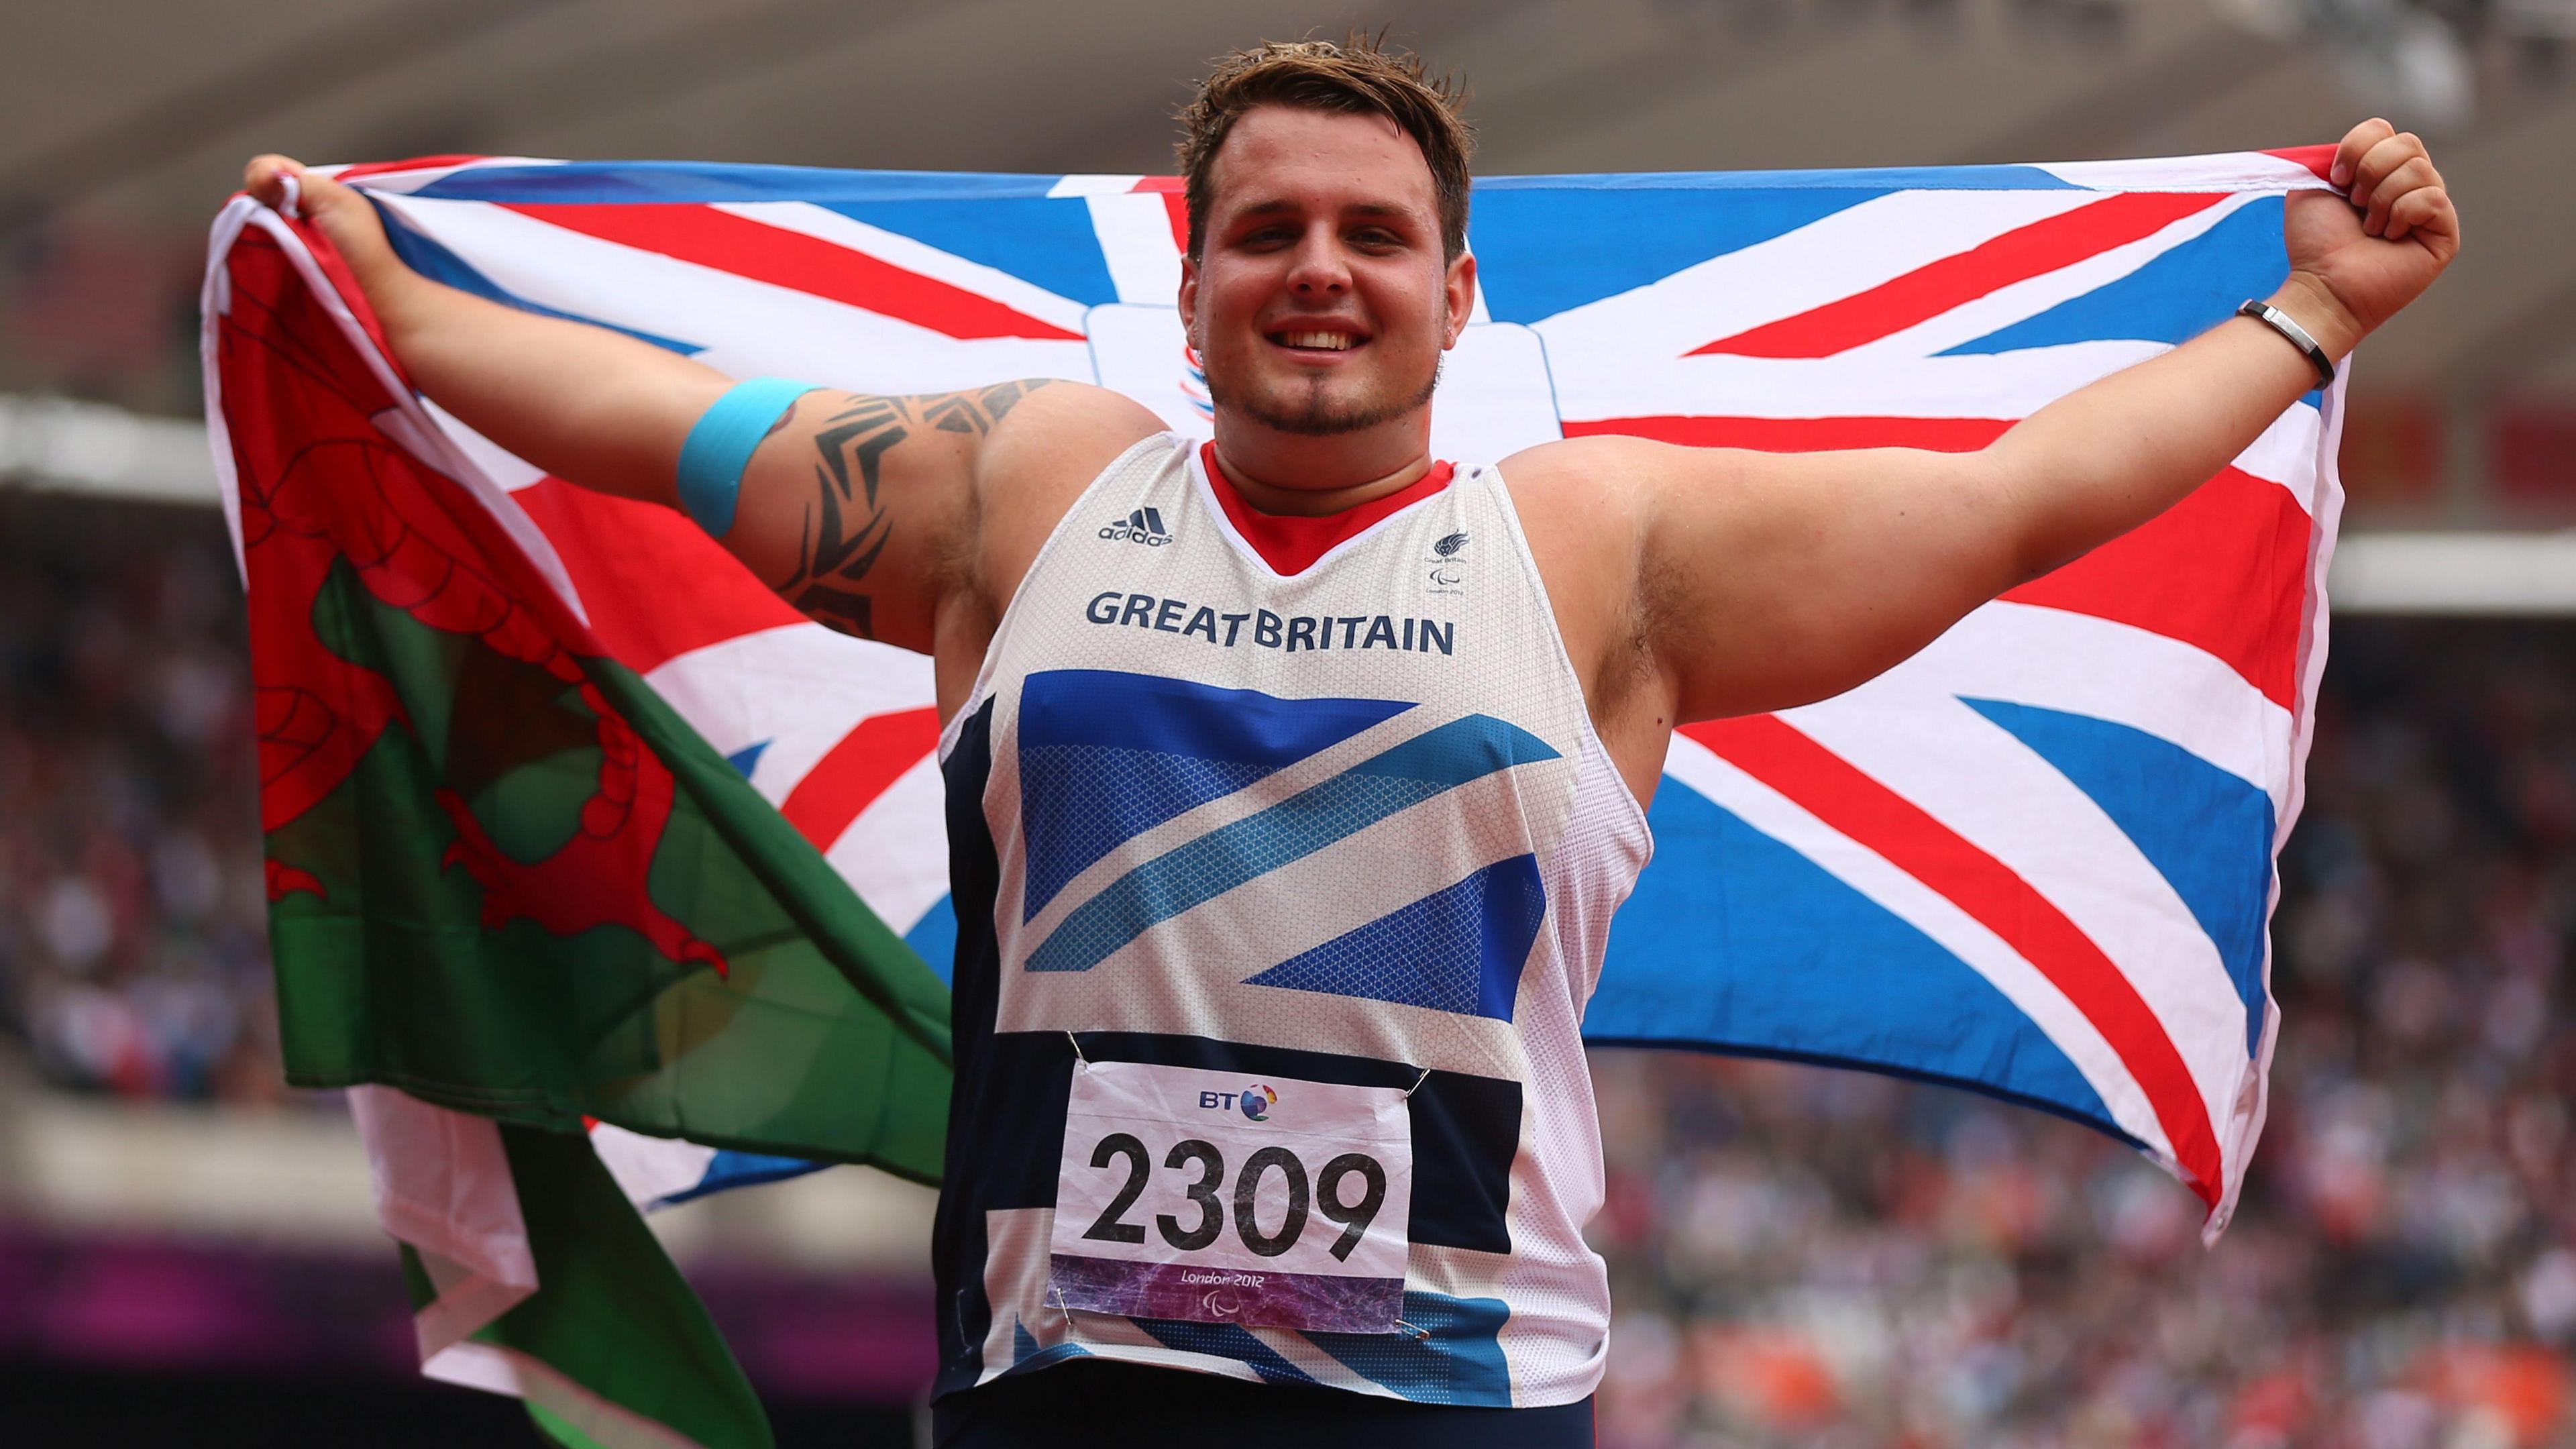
(1144, 526)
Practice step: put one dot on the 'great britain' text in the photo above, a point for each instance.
(1267, 630)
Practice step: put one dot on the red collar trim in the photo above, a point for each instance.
(1291, 544)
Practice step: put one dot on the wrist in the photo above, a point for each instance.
(2314, 306)
(402, 299)
(392, 288)
(349, 222)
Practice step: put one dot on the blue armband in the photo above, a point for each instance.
(721, 445)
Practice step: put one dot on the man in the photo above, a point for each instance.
(1293, 781)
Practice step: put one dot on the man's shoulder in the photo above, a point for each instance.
(1600, 460)
(1057, 435)
(1583, 483)
(1044, 451)
(1068, 411)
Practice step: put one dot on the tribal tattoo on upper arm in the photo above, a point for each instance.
(846, 528)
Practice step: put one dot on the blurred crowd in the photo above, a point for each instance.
(1800, 1257)
(133, 955)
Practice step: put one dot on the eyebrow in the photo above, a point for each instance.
(1365, 208)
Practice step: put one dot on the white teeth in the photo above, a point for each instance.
(1334, 341)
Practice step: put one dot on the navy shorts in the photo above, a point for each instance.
(1131, 1406)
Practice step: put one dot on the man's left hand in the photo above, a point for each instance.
(2368, 256)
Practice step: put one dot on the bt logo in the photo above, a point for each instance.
(1255, 1101)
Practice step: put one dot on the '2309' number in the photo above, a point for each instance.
(1354, 1218)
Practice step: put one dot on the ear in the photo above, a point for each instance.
(1189, 298)
(1459, 289)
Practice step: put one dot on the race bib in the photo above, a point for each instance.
(1221, 1198)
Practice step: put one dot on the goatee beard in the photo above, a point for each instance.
(1318, 418)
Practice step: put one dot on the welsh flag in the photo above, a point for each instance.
(513, 893)
(570, 822)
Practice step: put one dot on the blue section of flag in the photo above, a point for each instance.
(747, 759)
(729, 1169)
(2179, 293)
(706, 181)
(1738, 942)
(698, 181)
(1107, 755)
(2208, 832)
(1429, 764)
(1458, 949)
(1542, 251)
(1044, 240)
(934, 939)
(433, 260)
(1455, 1355)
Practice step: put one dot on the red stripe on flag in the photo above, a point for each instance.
(867, 761)
(416, 163)
(808, 264)
(1176, 206)
(2225, 570)
(2319, 159)
(1834, 791)
(655, 585)
(1930, 290)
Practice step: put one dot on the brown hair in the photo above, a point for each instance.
(1356, 77)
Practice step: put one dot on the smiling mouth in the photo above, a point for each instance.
(1316, 341)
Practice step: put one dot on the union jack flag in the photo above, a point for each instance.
(2036, 860)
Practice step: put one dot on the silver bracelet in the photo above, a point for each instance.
(2283, 323)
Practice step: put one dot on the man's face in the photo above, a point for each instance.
(1321, 302)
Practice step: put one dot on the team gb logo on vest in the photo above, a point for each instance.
(1448, 567)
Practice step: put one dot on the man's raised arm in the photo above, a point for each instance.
(1771, 580)
(858, 509)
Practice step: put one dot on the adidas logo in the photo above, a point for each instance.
(1144, 526)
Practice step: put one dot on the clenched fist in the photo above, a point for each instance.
(2364, 257)
(342, 215)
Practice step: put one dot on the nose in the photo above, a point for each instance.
(1319, 269)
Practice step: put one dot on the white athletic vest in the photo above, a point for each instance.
(1348, 826)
